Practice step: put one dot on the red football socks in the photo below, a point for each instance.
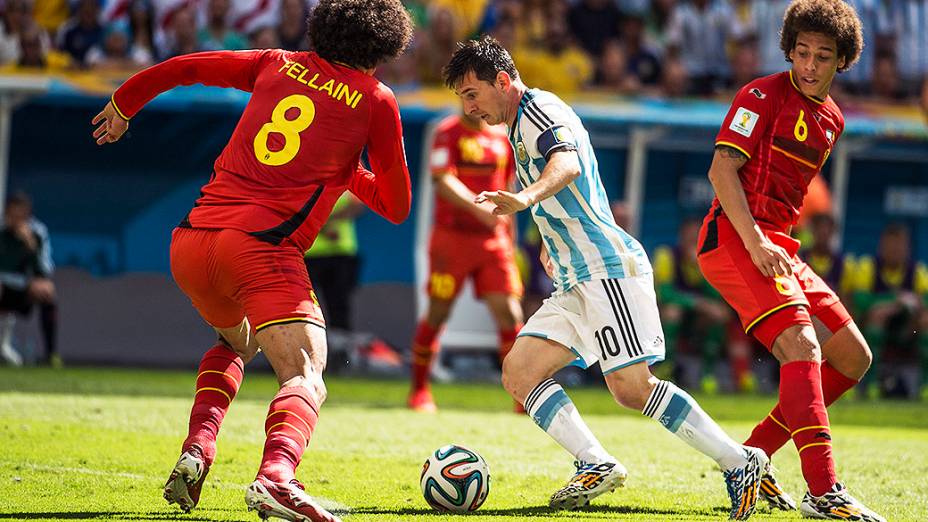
(290, 422)
(772, 434)
(803, 408)
(424, 349)
(506, 339)
(219, 377)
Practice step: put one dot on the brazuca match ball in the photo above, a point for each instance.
(455, 479)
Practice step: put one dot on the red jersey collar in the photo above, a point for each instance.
(796, 86)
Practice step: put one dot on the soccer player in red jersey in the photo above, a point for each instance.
(238, 255)
(468, 156)
(776, 137)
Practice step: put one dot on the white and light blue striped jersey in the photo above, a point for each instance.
(576, 224)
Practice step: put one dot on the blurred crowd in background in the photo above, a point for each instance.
(667, 48)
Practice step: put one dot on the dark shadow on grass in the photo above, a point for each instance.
(114, 515)
(538, 511)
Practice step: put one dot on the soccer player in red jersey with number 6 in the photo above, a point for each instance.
(238, 255)
(776, 137)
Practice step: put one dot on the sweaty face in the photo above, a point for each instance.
(481, 99)
(815, 63)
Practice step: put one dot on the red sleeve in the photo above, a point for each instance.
(748, 117)
(386, 190)
(236, 69)
(444, 155)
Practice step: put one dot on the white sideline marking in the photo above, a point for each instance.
(329, 504)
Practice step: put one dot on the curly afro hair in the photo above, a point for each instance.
(833, 18)
(359, 33)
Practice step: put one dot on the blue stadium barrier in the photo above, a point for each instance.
(111, 210)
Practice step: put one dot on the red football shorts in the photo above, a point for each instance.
(229, 275)
(765, 305)
(489, 260)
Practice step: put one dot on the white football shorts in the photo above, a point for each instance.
(613, 321)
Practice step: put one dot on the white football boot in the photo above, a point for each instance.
(591, 480)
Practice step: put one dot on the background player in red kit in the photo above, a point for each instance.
(777, 135)
(238, 253)
(468, 156)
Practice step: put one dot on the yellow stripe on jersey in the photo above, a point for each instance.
(771, 311)
(794, 157)
(732, 145)
(119, 112)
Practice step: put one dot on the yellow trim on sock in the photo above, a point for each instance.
(220, 373)
(213, 389)
(291, 413)
(268, 433)
(780, 424)
(793, 434)
(813, 444)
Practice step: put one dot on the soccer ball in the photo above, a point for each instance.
(455, 479)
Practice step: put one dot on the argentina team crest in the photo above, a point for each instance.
(521, 153)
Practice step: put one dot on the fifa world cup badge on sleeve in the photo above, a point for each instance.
(744, 121)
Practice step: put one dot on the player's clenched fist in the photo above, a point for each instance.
(112, 125)
(506, 202)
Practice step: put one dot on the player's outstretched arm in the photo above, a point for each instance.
(770, 259)
(386, 190)
(562, 168)
(237, 69)
(453, 190)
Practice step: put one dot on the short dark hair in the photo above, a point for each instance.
(897, 229)
(359, 33)
(833, 18)
(19, 199)
(484, 57)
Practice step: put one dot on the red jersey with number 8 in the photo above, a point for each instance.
(787, 137)
(297, 146)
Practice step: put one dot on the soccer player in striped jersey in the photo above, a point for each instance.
(238, 255)
(775, 139)
(604, 307)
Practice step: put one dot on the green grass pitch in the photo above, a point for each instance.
(93, 444)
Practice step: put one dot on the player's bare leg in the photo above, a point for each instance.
(297, 352)
(634, 387)
(218, 379)
(507, 313)
(424, 351)
(527, 372)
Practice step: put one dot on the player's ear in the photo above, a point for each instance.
(503, 80)
(841, 61)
